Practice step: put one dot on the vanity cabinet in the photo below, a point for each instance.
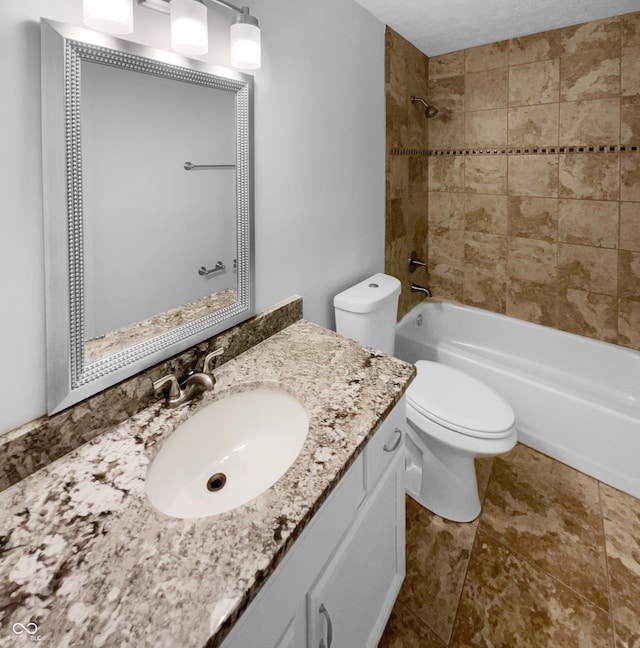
(338, 583)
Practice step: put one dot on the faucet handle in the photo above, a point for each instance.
(209, 363)
(173, 393)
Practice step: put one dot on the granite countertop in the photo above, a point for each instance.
(87, 558)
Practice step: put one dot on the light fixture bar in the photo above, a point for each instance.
(245, 46)
(163, 5)
(228, 5)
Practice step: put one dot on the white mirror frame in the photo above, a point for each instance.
(64, 47)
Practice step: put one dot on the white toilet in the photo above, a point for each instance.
(451, 416)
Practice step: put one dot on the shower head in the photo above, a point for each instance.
(430, 111)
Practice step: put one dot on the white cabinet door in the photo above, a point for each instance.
(277, 618)
(350, 602)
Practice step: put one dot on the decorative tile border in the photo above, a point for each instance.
(526, 150)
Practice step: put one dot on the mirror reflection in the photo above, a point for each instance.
(157, 236)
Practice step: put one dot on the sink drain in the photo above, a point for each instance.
(216, 482)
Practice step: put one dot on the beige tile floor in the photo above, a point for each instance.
(553, 561)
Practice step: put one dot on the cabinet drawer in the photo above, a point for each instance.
(386, 444)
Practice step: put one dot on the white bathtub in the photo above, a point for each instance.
(575, 399)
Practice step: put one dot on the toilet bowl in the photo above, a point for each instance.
(451, 417)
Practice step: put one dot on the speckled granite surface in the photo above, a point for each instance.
(86, 557)
(36, 444)
(127, 336)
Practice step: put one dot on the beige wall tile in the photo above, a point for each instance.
(446, 246)
(629, 275)
(446, 210)
(533, 125)
(446, 173)
(589, 222)
(630, 120)
(590, 175)
(629, 323)
(630, 226)
(591, 314)
(486, 57)
(588, 268)
(397, 176)
(537, 47)
(590, 122)
(407, 177)
(601, 35)
(446, 281)
(418, 173)
(533, 175)
(630, 177)
(532, 301)
(446, 131)
(487, 89)
(404, 216)
(484, 290)
(534, 83)
(394, 221)
(447, 94)
(486, 252)
(486, 174)
(486, 213)
(630, 28)
(532, 260)
(589, 76)
(446, 65)
(486, 128)
(532, 217)
(630, 71)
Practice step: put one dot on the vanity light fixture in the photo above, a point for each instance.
(189, 34)
(189, 30)
(113, 16)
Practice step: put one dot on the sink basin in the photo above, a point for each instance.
(227, 453)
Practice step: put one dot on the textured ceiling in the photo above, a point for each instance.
(441, 26)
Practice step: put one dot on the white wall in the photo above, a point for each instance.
(319, 165)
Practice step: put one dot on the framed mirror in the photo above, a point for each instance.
(148, 204)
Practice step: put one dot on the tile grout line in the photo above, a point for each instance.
(539, 569)
(606, 568)
(473, 546)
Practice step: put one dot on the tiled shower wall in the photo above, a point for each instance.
(534, 178)
(406, 71)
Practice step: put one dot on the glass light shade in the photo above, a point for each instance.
(189, 32)
(245, 46)
(113, 16)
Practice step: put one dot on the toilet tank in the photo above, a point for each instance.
(367, 312)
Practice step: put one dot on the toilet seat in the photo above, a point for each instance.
(459, 402)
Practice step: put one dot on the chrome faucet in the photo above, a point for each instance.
(180, 391)
(422, 289)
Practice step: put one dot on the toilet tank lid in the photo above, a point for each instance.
(367, 295)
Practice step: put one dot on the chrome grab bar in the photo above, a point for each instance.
(202, 270)
(188, 166)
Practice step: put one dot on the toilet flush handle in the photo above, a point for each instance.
(396, 443)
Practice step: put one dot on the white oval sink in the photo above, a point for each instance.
(227, 453)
